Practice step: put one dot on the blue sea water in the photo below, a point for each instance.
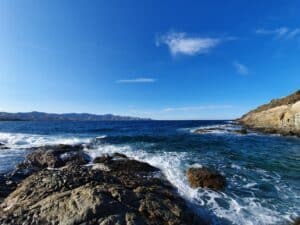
(262, 171)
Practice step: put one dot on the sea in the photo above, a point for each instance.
(262, 170)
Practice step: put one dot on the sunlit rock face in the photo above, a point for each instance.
(279, 116)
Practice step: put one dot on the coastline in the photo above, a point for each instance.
(142, 142)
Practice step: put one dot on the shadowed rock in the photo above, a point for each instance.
(241, 131)
(296, 222)
(3, 147)
(205, 178)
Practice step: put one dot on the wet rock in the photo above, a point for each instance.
(102, 159)
(119, 155)
(3, 147)
(296, 222)
(128, 194)
(208, 130)
(241, 131)
(6, 187)
(206, 178)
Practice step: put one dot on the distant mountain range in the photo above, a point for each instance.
(41, 116)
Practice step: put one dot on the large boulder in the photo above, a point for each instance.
(205, 178)
(130, 193)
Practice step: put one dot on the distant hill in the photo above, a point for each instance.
(41, 116)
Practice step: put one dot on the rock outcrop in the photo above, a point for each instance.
(113, 190)
(205, 178)
(280, 116)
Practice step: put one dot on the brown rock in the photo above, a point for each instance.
(296, 222)
(76, 194)
(280, 116)
(206, 178)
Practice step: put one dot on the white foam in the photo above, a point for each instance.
(21, 140)
(242, 211)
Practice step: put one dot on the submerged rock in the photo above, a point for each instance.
(130, 193)
(206, 178)
(220, 129)
(209, 130)
(241, 131)
(3, 147)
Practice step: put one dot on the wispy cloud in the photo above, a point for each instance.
(137, 80)
(281, 32)
(181, 43)
(194, 108)
(240, 68)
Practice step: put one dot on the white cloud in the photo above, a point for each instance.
(281, 32)
(180, 43)
(240, 68)
(194, 108)
(137, 80)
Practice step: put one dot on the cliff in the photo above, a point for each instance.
(280, 116)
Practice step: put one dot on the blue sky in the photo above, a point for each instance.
(160, 59)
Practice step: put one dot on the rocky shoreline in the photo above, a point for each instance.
(63, 185)
(280, 116)
(60, 185)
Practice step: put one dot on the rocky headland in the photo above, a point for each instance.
(63, 185)
(280, 116)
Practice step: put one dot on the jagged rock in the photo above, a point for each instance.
(130, 193)
(43, 157)
(279, 116)
(52, 156)
(206, 178)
